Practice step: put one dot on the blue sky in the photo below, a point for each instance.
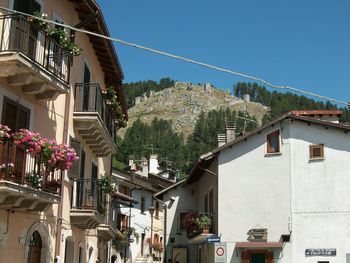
(305, 44)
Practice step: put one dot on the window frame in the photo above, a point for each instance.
(269, 149)
(311, 153)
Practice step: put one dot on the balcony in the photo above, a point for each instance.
(30, 61)
(108, 229)
(92, 119)
(16, 191)
(88, 208)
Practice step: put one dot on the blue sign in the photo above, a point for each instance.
(213, 239)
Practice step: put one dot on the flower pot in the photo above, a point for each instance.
(205, 230)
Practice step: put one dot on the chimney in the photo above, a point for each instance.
(153, 163)
(230, 132)
(131, 160)
(144, 163)
(221, 139)
(133, 169)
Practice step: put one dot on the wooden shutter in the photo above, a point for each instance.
(245, 257)
(269, 257)
(74, 172)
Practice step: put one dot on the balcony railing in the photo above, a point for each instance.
(89, 196)
(88, 98)
(21, 166)
(23, 36)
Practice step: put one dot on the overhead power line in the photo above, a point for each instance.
(152, 50)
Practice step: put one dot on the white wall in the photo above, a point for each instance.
(185, 198)
(321, 203)
(254, 189)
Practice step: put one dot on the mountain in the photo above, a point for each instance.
(182, 104)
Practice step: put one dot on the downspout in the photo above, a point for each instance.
(165, 228)
(129, 234)
(60, 205)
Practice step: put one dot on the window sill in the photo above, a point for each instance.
(273, 154)
(316, 160)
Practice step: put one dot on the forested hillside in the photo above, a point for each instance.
(141, 139)
(280, 103)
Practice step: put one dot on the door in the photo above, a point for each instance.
(86, 88)
(179, 255)
(80, 184)
(15, 116)
(142, 242)
(25, 35)
(258, 258)
(35, 245)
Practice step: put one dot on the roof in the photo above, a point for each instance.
(90, 11)
(316, 112)
(170, 187)
(124, 197)
(206, 159)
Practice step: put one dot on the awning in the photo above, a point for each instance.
(259, 245)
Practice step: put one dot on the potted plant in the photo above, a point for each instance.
(203, 222)
(34, 180)
(188, 222)
(106, 184)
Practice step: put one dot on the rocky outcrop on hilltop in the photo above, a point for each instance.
(183, 103)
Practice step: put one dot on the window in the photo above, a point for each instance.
(124, 190)
(124, 222)
(80, 255)
(273, 142)
(209, 202)
(316, 151)
(142, 204)
(157, 210)
(181, 218)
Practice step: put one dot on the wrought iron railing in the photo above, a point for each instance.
(88, 98)
(25, 169)
(89, 195)
(18, 34)
(112, 219)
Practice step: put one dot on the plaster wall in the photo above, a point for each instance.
(254, 190)
(320, 203)
(179, 199)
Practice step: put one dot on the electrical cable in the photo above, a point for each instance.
(152, 50)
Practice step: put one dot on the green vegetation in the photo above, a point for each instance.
(280, 103)
(137, 89)
(141, 140)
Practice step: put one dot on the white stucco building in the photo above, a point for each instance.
(277, 194)
(143, 214)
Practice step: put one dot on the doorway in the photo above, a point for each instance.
(35, 246)
(257, 258)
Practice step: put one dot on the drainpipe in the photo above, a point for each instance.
(165, 224)
(60, 205)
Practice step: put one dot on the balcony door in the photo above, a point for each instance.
(86, 87)
(25, 36)
(15, 116)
